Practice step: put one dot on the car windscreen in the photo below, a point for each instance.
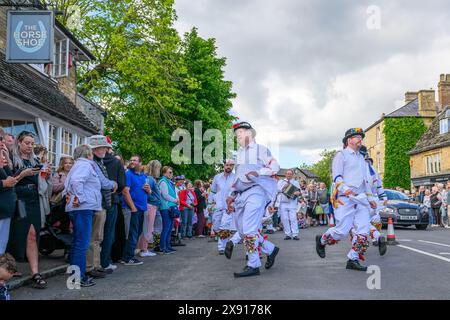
(395, 195)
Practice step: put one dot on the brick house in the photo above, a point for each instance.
(43, 98)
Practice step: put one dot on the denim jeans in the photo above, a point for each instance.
(167, 230)
(108, 236)
(82, 226)
(136, 222)
(431, 217)
(4, 234)
(186, 224)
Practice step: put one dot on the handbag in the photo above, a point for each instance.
(21, 209)
(319, 209)
(56, 199)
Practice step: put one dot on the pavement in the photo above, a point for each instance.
(416, 269)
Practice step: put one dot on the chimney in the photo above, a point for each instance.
(410, 96)
(427, 104)
(444, 91)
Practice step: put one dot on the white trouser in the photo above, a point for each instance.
(289, 219)
(375, 234)
(347, 216)
(4, 234)
(216, 220)
(227, 223)
(249, 210)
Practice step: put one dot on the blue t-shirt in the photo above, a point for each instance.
(136, 183)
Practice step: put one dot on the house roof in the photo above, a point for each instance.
(411, 109)
(17, 80)
(432, 139)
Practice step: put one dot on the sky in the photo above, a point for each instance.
(305, 71)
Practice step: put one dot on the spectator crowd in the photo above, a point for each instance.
(120, 211)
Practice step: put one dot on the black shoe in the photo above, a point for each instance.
(271, 258)
(96, 274)
(248, 272)
(382, 246)
(87, 282)
(354, 265)
(229, 249)
(320, 248)
(221, 252)
(287, 238)
(296, 238)
(107, 271)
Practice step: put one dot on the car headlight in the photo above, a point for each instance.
(388, 211)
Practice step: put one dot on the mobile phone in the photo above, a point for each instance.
(38, 167)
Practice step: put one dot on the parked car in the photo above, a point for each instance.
(404, 211)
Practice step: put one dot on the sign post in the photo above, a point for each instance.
(30, 36)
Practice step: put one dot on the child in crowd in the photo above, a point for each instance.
(7, 269)
(301, 220)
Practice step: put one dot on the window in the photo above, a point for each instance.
(443, 125)
(52, 140)
(80, 140)
(14, 127)
(66, 143)
(378, 137)
(433, 164)
(60, 66)
(378, 162)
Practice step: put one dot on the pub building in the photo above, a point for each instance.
(42, 97)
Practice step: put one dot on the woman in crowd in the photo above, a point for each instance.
(7, 194)
(188, 201)
(427, 203)
(323, 199)
(57, 201)
(169, 200)
(44, 182)
(312, 202)
(82, 189)
(200, 194)
(436, 202)
(25, 230)
(153, 170)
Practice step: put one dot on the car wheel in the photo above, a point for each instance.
(421, 226)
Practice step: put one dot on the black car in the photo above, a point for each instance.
(404, 211)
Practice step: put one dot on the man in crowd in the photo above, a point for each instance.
(420, 195)
(253, 188)
(99, 146)
(116, 173)
(135, 196)
(350, 201)
(288, 206)
(221, 186)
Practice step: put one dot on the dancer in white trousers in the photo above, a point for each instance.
(377, 189)
(352, 200)
(221, 187)
(253, 188)
(288, 207)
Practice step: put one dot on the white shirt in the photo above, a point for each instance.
(221, 187)
(256, 157)
(283, 198)
(350, 168)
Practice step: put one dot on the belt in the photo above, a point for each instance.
(27, 186)
(246, 189)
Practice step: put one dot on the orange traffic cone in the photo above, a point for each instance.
(332, 220)
(390, 233)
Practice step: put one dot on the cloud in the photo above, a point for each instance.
(306, 71)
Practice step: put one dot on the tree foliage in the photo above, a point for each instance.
(401, 135)
(149, 79)
(322, 168)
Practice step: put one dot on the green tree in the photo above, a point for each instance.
(401, 135)
(322, 168)
(150, 81)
